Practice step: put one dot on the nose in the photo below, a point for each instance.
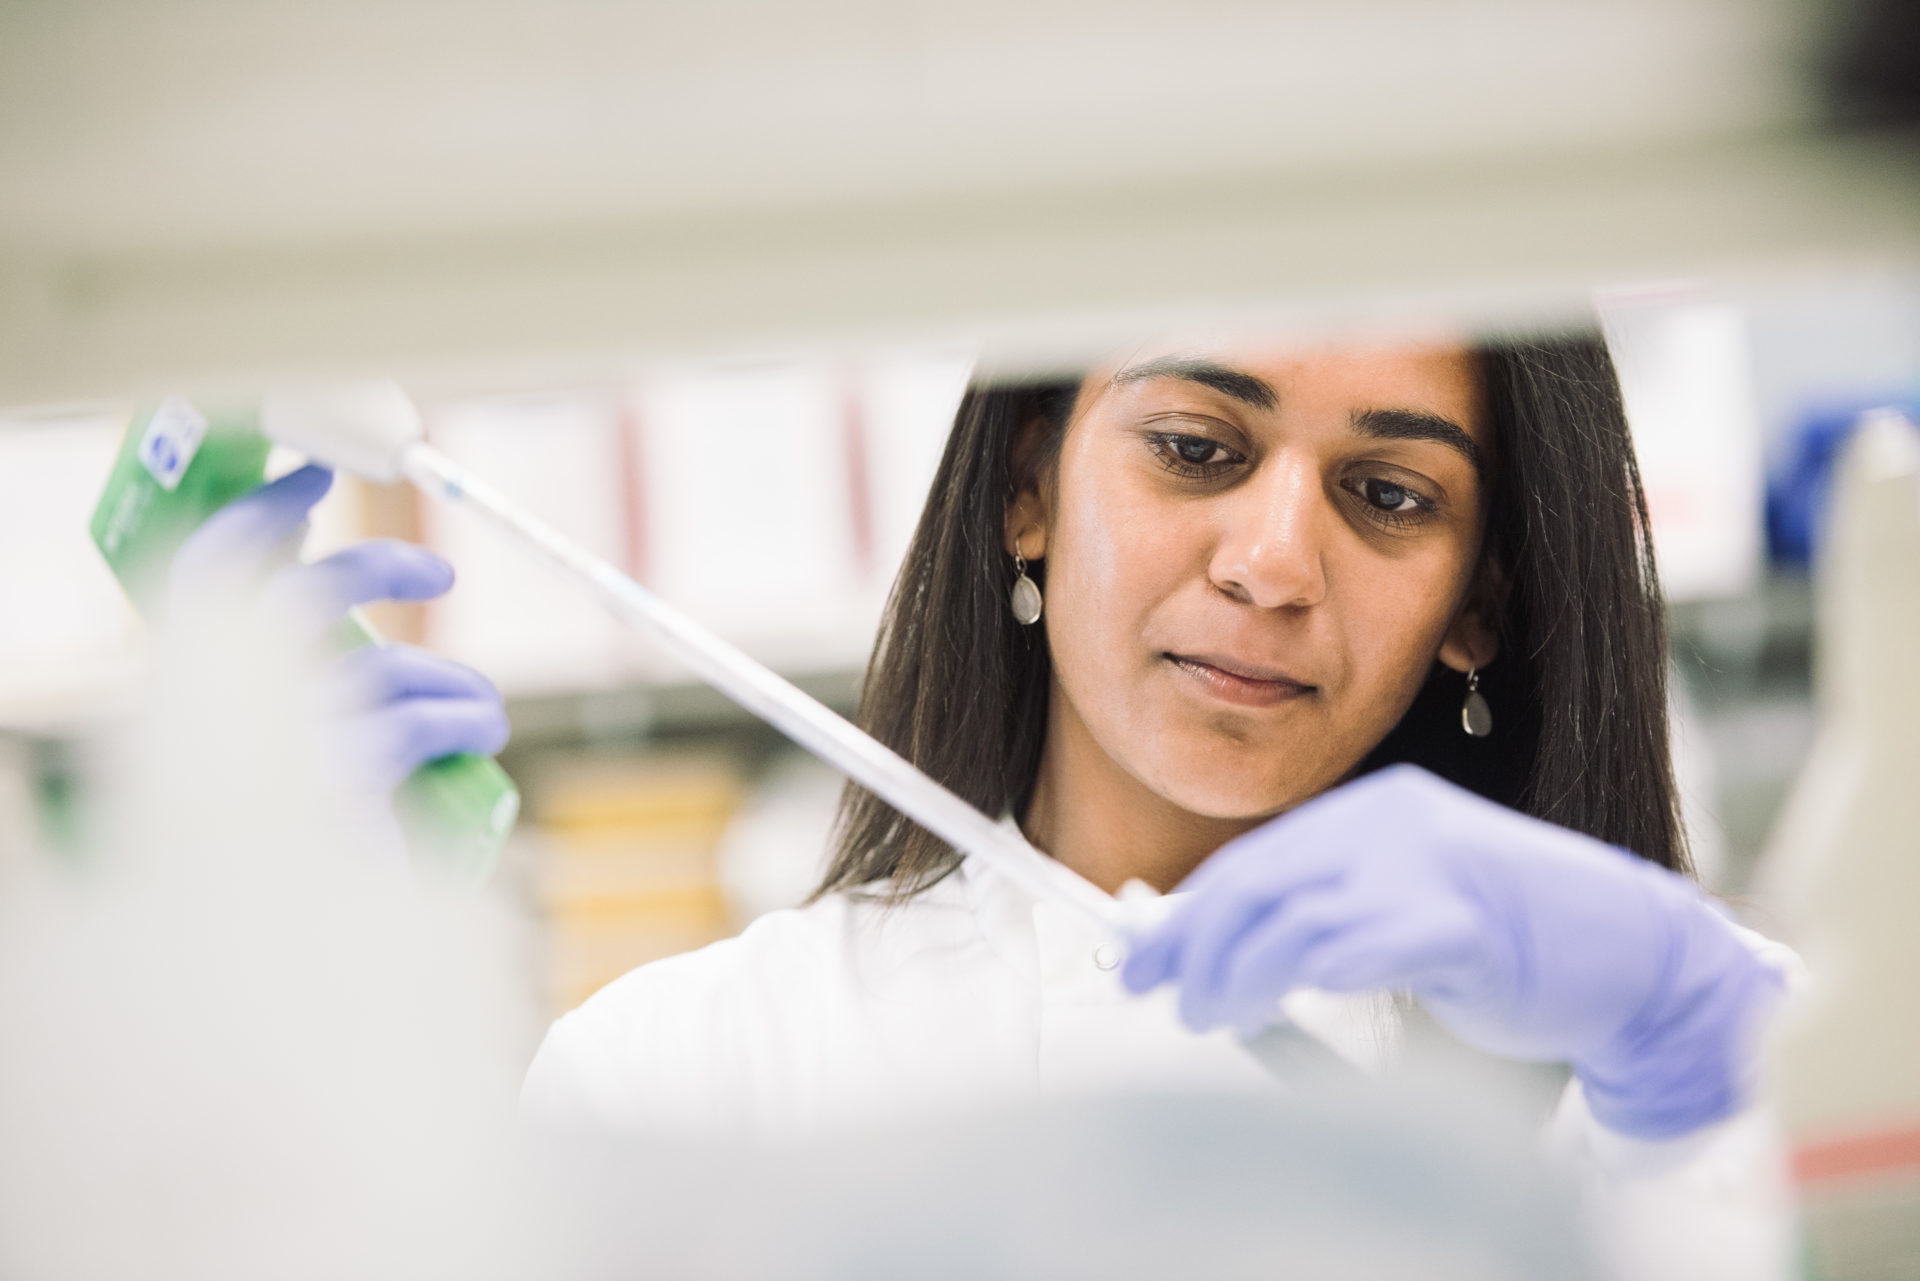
(1272, 551)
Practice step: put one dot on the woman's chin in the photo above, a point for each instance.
(1229, 799)
(1216, 777)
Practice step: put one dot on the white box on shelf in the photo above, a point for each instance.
(748, 479)
(1687, 379)
(507, 614)
(70, 644)
(907, 402)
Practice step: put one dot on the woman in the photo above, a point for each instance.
(1359, 647)
(1145, 612)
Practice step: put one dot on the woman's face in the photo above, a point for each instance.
(1253, 559)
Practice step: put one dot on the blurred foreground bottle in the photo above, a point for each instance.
(177, 466)
(1844, 865)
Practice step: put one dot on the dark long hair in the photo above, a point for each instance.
(1578, 692)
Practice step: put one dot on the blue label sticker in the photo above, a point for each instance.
(172, 438)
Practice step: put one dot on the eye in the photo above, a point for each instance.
(1391, 503)
(1389, 497)
(1193, 456)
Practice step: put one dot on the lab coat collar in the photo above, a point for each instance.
(1065, 880)
(1049, 944)
(1045, 939)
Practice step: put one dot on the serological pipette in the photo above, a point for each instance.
(375, 431)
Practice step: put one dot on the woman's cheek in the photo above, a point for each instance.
(1114, 560)
(1107, 552)
(1395, 627)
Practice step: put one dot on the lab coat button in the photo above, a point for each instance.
(1106, 956)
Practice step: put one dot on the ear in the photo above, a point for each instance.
(1473, 638)
(1028, 511)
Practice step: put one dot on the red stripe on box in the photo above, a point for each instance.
(1894, 1151)
(630, 447)
(859, 477)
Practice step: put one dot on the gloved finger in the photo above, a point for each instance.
(1254, 879)
(1388, 953)
(388, 671)
(1160, 956)
(241, 539)
(378, 569)
(1266, 964)
(407, 734)
(1220, 921)
(1302, 846)
(1150, 961)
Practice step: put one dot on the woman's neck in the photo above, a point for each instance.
(1096, 818)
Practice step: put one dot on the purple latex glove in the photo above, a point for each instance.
(1522, 938)
(410, 706)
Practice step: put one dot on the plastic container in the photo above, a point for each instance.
(1843, 872)
(178, 465)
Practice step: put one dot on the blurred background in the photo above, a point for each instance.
(702, 283)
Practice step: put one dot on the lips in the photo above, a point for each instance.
(1242, 683)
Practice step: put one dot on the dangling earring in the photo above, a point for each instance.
(1026, 594)
(1475, 716)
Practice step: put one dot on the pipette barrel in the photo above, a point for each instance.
(749, 683)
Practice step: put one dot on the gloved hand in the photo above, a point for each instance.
(1521, 938)
(409, 706)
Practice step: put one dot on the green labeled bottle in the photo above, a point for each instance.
(177, 466)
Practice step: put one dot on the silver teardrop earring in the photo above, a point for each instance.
(1475, 716)
(1026, 594)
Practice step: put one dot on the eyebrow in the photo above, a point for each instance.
(1414, 424)
(1241, 386)
(1380, 424)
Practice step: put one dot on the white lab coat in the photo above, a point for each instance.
(848, 1012)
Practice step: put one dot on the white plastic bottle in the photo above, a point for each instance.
(1843, 869)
